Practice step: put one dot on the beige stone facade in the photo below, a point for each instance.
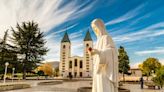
(136, 72)
(75, 66)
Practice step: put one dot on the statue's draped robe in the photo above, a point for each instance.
(105, 66)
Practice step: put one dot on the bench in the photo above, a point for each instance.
(151, 86)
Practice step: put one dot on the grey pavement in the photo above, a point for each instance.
(136, 88)
(31, 82)
(72, 86)
(64, 87)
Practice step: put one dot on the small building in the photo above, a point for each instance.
(136, 72)
(134, 75)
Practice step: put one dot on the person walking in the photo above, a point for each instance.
(141, 82)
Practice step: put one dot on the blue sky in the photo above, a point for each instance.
(138, 25)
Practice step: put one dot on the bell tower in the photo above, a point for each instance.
(87, 57)
(65, 53)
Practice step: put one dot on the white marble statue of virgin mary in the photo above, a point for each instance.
(105, 60)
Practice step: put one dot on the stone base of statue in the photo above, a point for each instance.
(89, 89)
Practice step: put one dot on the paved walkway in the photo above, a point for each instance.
(64, 87)
(136, 88)
(72, 87)
(31, 82)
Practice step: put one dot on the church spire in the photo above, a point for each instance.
(88, 36)
(65, 38)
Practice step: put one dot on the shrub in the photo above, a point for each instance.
(159, 78)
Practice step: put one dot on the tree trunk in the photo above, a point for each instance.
(123, 75)
(24, 72)
(147, 78)
(161, 86)
(24, 67)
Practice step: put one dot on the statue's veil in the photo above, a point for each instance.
(100, 26)
(102, 30)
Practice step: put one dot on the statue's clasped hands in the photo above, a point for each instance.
(92, 51)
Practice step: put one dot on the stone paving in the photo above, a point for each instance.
(64, 87)
(72, 87)
(136, 88)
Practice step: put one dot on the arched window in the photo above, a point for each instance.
(63, 46)
(75, 62)
(81, 64)
(70, 64)
(87, 44)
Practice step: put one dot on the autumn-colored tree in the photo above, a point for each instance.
(46, 68)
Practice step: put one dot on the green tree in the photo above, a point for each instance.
(123, 62)
(28, 38)
(159, 77)
(3, 49)
(40, 73)
(150, 66)
(7, 54)
(56, 71)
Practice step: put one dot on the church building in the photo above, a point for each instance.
(75, 66)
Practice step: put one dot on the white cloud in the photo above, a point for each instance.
(54, 46)
(152, 51)
(46, 12)
(129, 15)
(64, 29)
(128, 28)
(162, 61)
(75, 35)
(135, 65)
(150, 31)
(72, 26)
(77, 47)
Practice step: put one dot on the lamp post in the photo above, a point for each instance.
(13, 74)
(6, 64)
(53, 72)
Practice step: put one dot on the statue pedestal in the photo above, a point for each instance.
(89, 89)
(123, 90)
(84, 89)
